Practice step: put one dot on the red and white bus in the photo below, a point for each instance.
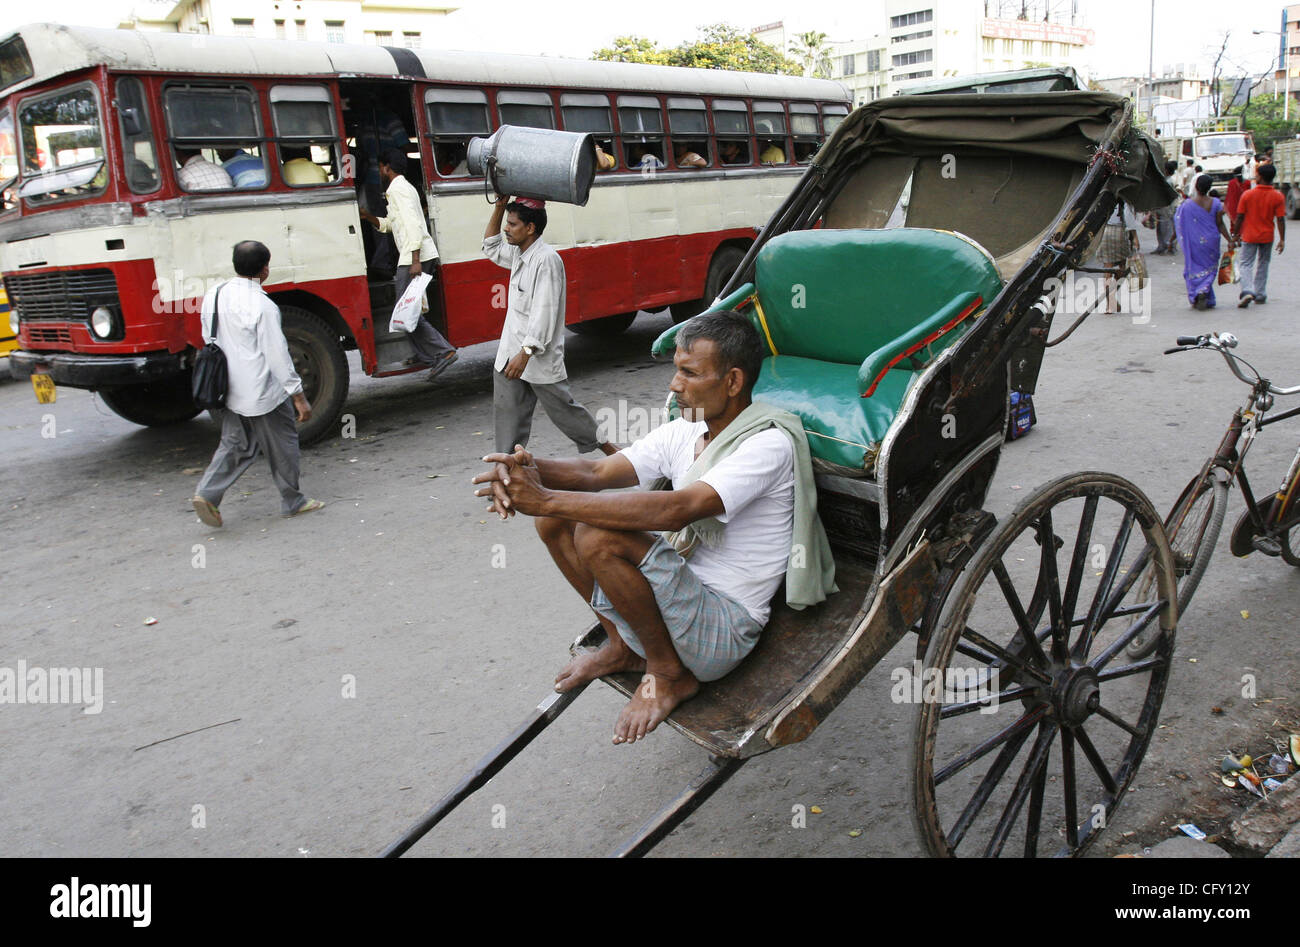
(106, 255)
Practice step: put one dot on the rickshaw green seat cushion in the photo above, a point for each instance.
(840, 295)
(842, 427)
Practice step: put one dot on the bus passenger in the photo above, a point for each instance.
(298, 168)
(686, 158)
(771, 154)
(604, 160)
(245, 170)
(197, 173)
(733, 152)
(414, 248)
(641, 155)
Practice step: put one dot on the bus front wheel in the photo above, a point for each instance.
(155, 403)
(725, 262)
(319, 361)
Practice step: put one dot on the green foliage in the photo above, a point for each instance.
(813, 55)
(719, 46)
(1263, 118)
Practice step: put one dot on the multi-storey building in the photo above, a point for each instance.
(381, 22)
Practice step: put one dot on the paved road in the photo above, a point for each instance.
(450, 625)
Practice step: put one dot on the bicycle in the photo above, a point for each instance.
(1194, 523)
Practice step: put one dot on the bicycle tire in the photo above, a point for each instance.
(1182, 518)
(1290, 554)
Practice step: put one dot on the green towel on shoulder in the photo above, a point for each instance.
(810, 572)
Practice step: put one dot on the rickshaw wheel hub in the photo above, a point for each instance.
(1078, 695)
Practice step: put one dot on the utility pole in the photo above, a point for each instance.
(1151, 67)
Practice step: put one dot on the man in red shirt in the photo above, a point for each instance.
(1256, 211)
(1238, 186)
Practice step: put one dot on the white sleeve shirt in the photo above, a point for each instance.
(258, 363)
(406, 222)
(536, 299)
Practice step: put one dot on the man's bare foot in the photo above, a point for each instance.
(607, 659)
(653, 701)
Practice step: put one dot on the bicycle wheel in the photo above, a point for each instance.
(1290, 547)
(1193, 528)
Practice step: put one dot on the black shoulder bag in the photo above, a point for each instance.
(210, 380)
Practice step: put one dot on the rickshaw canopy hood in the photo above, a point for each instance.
(1065, 126)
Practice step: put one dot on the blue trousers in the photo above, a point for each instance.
(1254, 269)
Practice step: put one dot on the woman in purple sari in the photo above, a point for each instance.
(1199, 223)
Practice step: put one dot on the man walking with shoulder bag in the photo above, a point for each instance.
(258, 419)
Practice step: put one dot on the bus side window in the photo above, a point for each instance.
(139, 160)
(306, 138)
(455, 116)
(589, 112)
(731, 121)
(689, 124)
(641, 125)
(769, 125)
(216, 137)
(804, 128)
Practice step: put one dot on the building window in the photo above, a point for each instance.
(873, 60)
(242, 27)
(926, 74)
(334, 31)
(411, 40)
(909, 59)
(383, 37)
(1008, 47)
(988, 46)
(911, 19)
(910, 36)
(300, 28)
(279, 29)
(847, 65)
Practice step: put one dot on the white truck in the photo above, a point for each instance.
(1286, 158)
(1218, 145)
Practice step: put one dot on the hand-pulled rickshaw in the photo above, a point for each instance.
(899, 347)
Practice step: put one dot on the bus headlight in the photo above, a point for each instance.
(101, 322)
(13, 321)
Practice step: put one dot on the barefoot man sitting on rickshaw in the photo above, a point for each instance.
(682, 579)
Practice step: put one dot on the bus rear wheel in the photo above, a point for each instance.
(155, 403)
(604, 326)
(319, 361)
(724, 264)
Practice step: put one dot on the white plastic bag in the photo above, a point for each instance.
(406, 314)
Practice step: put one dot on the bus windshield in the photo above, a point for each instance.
(8, 160)
(62, 145)
(1213, 145)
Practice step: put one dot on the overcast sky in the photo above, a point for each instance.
(1185, 30)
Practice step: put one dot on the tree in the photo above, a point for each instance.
(811, 52)
(1262, 117)
(632, 49)
(719, 46)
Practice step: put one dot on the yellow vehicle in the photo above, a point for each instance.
(8, 330)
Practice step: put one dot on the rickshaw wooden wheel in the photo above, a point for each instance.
(1029, 748)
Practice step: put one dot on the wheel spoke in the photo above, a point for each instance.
(1151, 614)
(1015, 693)
(1071, 788)
(1150, 664)
(1035, 813)
(1117, 613)
(1111, 609)
(1052, 580)
(1006, 656)
(1090, 751)
(973, 652)
(1026, 632)
(1037, 760)
(1122, 724)
(1016, 730)
(1081, 547)
(1090, 628)
(989, 782)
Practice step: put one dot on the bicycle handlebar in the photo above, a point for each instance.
(1221, 344)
